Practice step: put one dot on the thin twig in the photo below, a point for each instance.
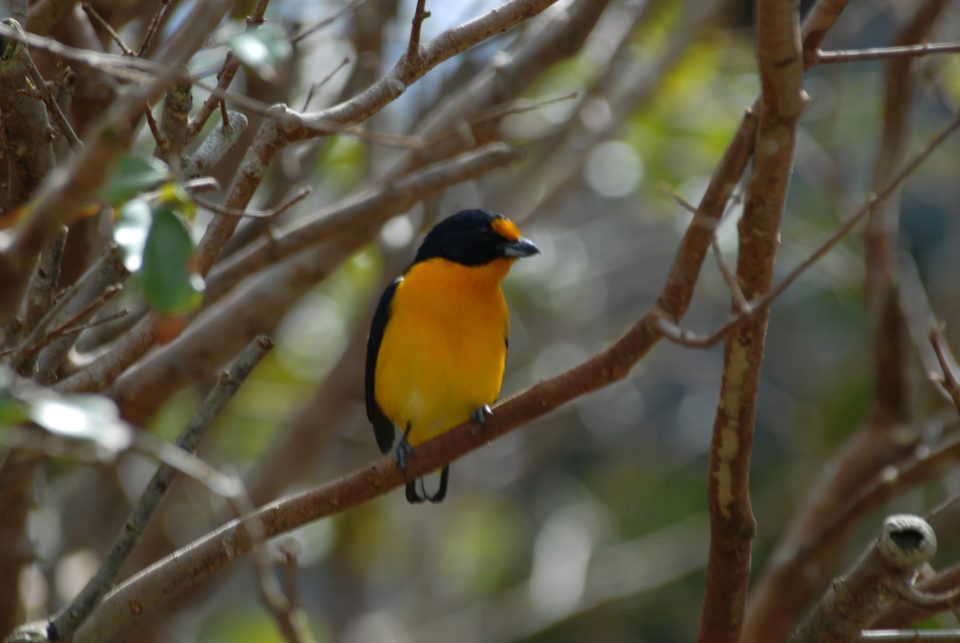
(51, 102)
(906, 636)
(74, 324)
(153, 27)
(66, 623)
(323, 81)
(884, 53)
(419, 15)
(949, 380)
(704, 341)
(231, 65)
(278, 603)
(257, 214)
(158, 136)
(321, 24)
(100, 20)
(741, 303)
(45, 280)
(100, 276)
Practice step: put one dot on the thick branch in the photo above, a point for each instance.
(857, 599)
(731, 518)
(197, 560)
(784, 588)
(27, 135)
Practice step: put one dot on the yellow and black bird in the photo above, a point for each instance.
(438, 341)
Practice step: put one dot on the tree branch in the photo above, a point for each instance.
(783, 589)
(65, 624)
(63, 193)
(857, 599)
(274, 135)
(885, 53)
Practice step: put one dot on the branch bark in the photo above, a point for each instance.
(732, 524)
(783, 588)
(856, 600)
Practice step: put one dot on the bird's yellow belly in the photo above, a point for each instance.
(440, 360)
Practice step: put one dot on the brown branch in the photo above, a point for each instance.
(693, 340)
(95, 16)
(917, 467)
(889, 339)
(153, 27)
(732, 524)
(784, 588)
(191, 564)
(624, 88)
(947, 362)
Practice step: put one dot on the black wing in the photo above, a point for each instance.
(382, 426)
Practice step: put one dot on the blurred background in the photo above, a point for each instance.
(589, 524)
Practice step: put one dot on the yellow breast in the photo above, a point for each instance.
(444, 346)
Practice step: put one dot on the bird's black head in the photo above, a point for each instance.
(473, 238)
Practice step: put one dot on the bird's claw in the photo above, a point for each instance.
(480, 415)
(402, 452)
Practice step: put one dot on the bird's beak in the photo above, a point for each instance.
(522, 247)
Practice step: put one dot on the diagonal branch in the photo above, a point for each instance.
(83, 604)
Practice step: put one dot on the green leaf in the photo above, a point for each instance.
(82, 417)
(263, 49)
(131, 232)
(170, 284)
(131, 176)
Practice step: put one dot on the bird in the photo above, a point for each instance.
(438, 343)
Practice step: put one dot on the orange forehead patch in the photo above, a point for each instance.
(505, 228)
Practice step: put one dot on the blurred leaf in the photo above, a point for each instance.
(131, 176)
(82, 417)
(12, 410)
(263, 49)
(131, 232)
(170, 285)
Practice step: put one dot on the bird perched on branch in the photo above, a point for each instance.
(438, 341)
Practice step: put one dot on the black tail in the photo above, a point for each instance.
(415, 497)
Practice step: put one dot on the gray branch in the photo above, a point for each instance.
(857, 599)
(66, 623)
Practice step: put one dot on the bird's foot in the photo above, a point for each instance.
(480, 415)
(402, 452)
